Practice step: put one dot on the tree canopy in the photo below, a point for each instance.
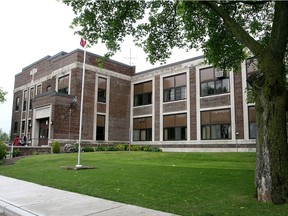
(227, 32)
(2, 95)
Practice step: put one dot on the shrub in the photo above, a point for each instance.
(69, 148)
(101, 148)
(16, 152)
(87, 149)
(152, 149)
(56, 147)
(2, 151)
(136, 148)
(121, 147)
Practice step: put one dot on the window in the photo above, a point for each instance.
(15, 129)
(102, 84)
(174, 88)
(214, 81)
(175, 127)
(143, 93)
(252, 122)
(25, 100)
(100, 131)
(39, 89)
(31, 97)
(17, 104)
(23, 127)
(49, 88)
(142, 129)
(63, 84)
(216, 124)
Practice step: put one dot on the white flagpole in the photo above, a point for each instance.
(81, 109)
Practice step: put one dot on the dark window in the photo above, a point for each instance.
(174, 88)
(25, 100)
(100, 131)
(15, 129)
(252, 122)
(142, 129)
(31, 97)
(49, 88)
(63, 84)
(23, 127)
(216, 124)
(251, 67)
(175, 127)
(143, 93)
(214, 81)
(102, 85)
(39, 89)
(17, 104)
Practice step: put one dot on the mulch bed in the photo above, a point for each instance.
(10, 161)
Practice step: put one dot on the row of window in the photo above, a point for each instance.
(63, 87)
(215, 125)
(213, 82)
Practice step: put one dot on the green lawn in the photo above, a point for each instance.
(181, 183)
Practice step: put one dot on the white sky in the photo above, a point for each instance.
(33, 29)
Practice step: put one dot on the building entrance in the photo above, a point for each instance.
(43, 131)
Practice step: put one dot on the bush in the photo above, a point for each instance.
(136, 148)
(121, 147)
(56, 147)
(69, 148)
(16, 152)
(152, 149)
(100, 148)
(2, 151)
(87, 149)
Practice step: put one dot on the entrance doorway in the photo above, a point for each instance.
(43, 131)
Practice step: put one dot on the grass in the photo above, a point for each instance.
(182, 183)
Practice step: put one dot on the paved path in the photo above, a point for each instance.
(18, 197)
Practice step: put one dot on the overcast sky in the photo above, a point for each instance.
(33, 29)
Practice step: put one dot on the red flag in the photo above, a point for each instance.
(82, 42)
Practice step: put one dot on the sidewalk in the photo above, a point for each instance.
(18, 197)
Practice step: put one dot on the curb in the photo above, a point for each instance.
(12, 210)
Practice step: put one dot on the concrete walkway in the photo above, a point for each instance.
(23, 198)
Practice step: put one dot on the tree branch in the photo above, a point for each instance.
(279, 32)
(236, 29)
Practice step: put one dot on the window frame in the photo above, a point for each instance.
(142, 98)
(101, 93)
(64, 89)
(171, 93)
(171, 132)
(209, 128)
(17, 103)
(212, 82)
(144, 131)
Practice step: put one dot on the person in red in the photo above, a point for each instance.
(16, 141)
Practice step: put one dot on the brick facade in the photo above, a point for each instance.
(55, 115)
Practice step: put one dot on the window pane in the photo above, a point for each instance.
(183, 92)
(252, 130)
(101, 120)
(225, 85)
(138, 89)
(180, 120)
(215, 132)
(168, 82)
(204, 89)
(180, 80)
(207, 74)
(101, 83)
(136, 135)
(177, 93)
(169, 121)
(218, 86)
(205, 118)
(39, 89)
(143, 135)
(178, 133)
(147, 87)
(252, 114)
(211, 87)
(220, 117)
(148, 122)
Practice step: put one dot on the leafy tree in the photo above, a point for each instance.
(2, 95)
(225, 31)
(3, 136)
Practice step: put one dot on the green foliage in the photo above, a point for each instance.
(3, 136)
(2, 95)
(87, 149)
(2, 151)
(16, 152)
(56, 147)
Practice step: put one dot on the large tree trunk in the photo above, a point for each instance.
(271, 173)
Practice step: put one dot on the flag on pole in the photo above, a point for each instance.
(82, 42)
